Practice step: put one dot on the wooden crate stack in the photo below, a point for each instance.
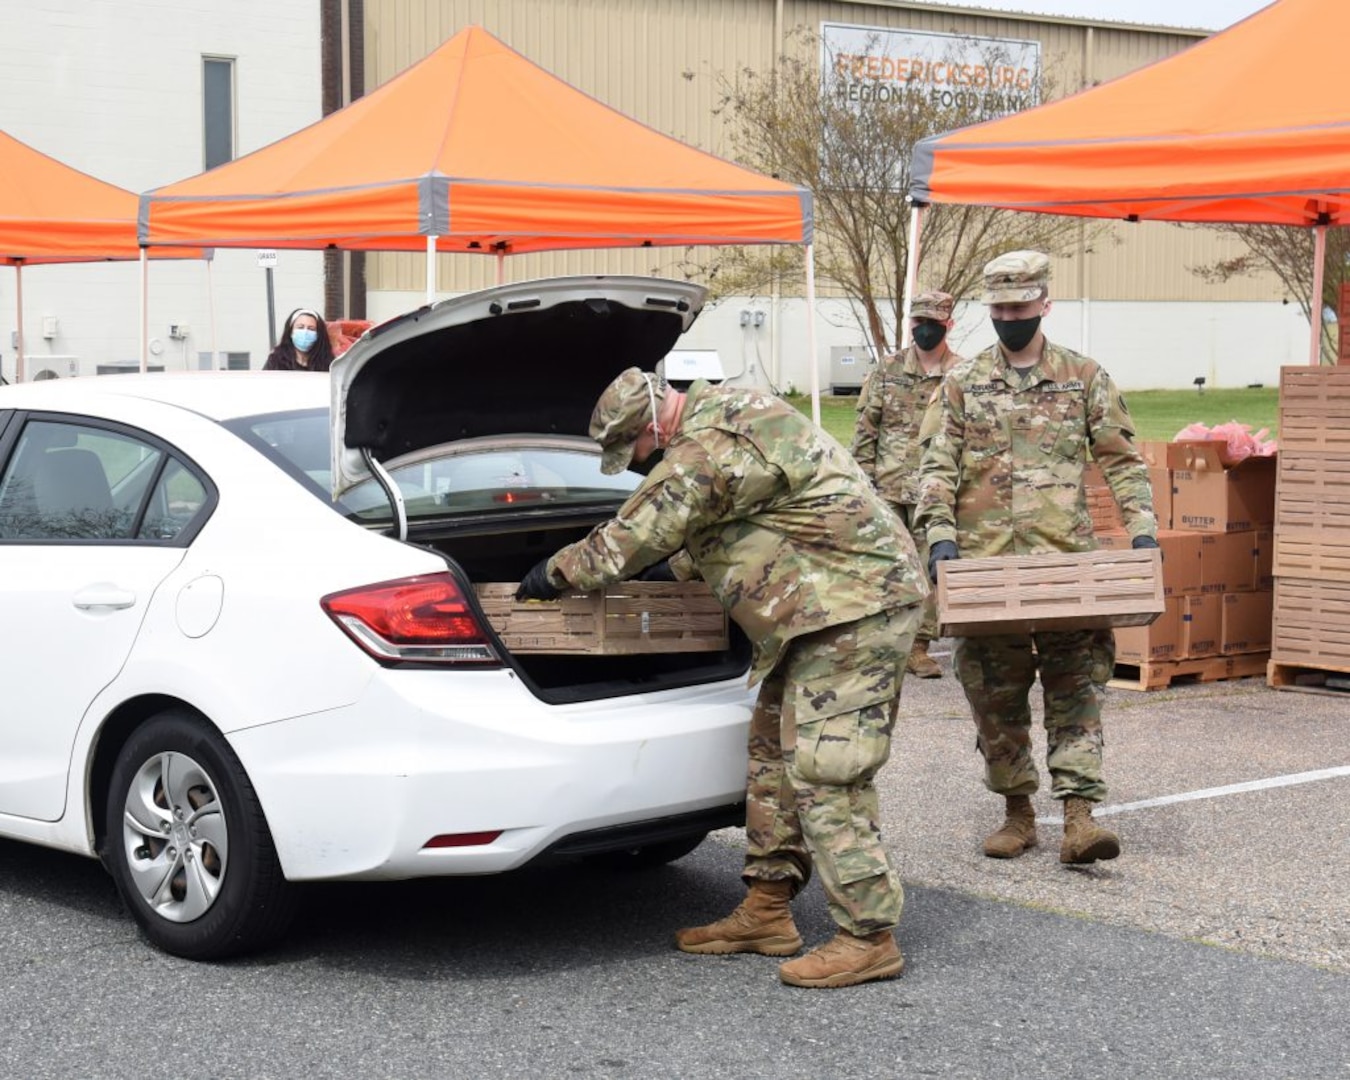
(1311, 634)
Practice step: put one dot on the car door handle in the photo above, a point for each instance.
(103, 596)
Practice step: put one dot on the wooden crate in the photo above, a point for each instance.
(629, 618)
(1314, 410)
(1312, 553)
(1313, 492)
(1018, 594)
(1313, 391)
(1311, 622)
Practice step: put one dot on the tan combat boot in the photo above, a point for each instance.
(1017, 834)
(1084, 840)
(761, 924)
(846, 960)
(920, 663)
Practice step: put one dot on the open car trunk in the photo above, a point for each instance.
(516, 366)
(557, 678)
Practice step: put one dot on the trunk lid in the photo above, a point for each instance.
(526, 357)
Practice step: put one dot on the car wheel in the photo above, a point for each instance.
(649, 856)
(188, 845)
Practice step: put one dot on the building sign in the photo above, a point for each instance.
(980, 78)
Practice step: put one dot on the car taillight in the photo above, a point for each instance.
(424, 619)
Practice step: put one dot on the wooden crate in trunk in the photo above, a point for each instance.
(1018, 594)
(629, 618)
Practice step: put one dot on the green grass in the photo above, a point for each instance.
(1158, 414)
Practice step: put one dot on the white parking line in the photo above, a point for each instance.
(1214, 793)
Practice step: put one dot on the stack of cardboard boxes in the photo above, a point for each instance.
(1312, 522)
(1215, 525)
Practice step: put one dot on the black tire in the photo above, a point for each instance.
(648, 856)
(188, 845)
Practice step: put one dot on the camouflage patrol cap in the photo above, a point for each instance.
(623, 411)
(931, 305)
(1016, 277)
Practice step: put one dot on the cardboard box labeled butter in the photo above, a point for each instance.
(1207, 496)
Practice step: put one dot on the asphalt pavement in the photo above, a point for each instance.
(1217, 945)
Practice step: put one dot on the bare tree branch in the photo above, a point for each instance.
(1287, 252)
(855, 160)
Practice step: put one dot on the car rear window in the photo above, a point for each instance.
(476, 476)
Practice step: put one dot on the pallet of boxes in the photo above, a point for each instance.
(1311, 627)
(1215, 532)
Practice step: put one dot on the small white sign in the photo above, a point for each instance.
(690, 364)
(267, 259)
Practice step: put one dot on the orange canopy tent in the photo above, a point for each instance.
(476, 149)
(52, 213)
(1248, 126)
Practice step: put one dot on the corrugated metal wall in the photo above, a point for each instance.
(658, 61)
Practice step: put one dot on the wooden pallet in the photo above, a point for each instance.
(1334, 682)
(1157, 674)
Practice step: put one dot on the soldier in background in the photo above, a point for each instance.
(1006, 440)
(891, 408)
(823, 578)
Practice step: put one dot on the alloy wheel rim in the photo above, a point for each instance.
(175, 837)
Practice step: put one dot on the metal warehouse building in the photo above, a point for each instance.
(131, 111)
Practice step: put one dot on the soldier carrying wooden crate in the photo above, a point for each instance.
(783, 526)
(891, 408)
(1006, 440)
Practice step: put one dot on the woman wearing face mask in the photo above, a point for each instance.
(304, 344)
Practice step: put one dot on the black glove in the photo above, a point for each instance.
(660, 571)
(536, 586)
(1143, 542)
(940, 552)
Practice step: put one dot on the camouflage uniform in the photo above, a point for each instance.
(886, 444)
(1002, 473)
(780, 522)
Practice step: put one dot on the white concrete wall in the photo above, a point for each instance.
(114, 88)
(1144, 345)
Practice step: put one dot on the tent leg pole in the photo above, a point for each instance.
(18, 333)
(1316, 303)
(431, 270)
(211, 307)
(501, 267)
(916, 210)
(811, 332)
(145, 313)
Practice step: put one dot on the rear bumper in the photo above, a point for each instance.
(357, 792)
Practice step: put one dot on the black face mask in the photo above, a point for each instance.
(1016, 334)
(644, 468)
(928, 334)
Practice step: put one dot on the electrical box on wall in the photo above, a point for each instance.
(50, 324)
(179, 331)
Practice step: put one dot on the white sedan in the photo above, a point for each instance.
(240, 645)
